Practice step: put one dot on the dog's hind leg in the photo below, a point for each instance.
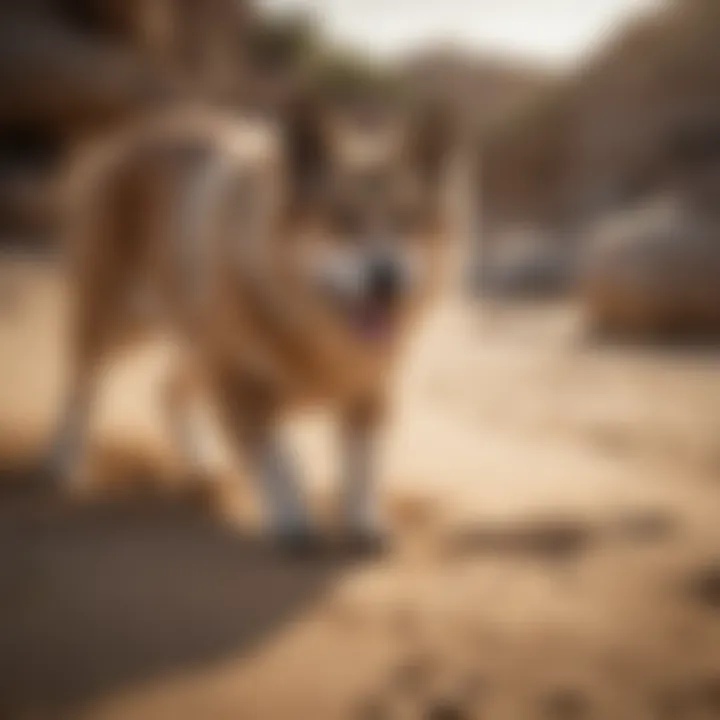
(96, 323)
(68, 453)
(183, 423)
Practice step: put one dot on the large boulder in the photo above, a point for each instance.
(653, 272)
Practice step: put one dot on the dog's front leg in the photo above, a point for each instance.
(251, 424)
(359, 497)
(278, 481)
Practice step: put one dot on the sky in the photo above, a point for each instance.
(551, 31)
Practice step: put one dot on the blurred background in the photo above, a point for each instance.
(552, 470)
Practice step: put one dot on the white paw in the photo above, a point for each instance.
(366, 533)
(66, 465)
(297, 538)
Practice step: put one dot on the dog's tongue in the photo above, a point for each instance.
(374, 323)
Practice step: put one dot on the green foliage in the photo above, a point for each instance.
(294, 42)
(287, 40)
(346, 76)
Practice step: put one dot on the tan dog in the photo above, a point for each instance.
(288, 261)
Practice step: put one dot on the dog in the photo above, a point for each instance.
(290, 260)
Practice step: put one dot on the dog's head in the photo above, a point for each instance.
(366, 214)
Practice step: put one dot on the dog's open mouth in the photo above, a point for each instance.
(374, 322)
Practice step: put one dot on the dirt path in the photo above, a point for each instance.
(558, 548)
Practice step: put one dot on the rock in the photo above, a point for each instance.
(651, 272)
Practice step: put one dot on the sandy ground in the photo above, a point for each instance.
(557, 556)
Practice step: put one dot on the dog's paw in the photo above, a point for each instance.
(58, 475)
(298, 542)
(366, 541)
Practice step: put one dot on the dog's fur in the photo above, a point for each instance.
(253, 244)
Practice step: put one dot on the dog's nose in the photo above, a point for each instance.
(384, 281)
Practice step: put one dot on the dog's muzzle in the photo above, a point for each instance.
(368, 288)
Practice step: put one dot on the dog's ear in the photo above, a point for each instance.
(430, 142)
(306, 148)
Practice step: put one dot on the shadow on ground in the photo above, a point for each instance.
(97, 597)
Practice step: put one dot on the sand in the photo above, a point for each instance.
(554, 506)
